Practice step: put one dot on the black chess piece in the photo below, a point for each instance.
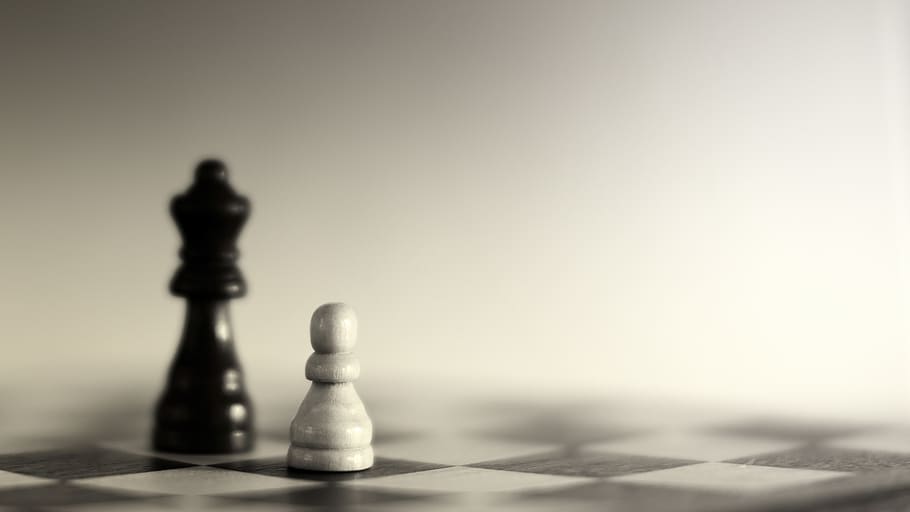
(205, 407)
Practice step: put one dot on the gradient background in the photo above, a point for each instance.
(696, 199)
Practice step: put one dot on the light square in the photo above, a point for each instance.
(8, 479)
(457, 450)
(693, 446)
(466, 479)
(732, 478)
(193, 481)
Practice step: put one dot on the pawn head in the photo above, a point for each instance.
(333, 328)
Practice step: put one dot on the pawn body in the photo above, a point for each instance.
(332, 431)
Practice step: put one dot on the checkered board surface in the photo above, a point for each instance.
(504, 457)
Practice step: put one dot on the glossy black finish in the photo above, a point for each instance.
(209, 216)
(205, 407)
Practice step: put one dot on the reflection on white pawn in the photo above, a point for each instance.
(331, 431)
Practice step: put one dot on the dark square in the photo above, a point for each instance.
(83, 462)
(333, 496)
(627, 497)
(890, 502)
(569, 423)
(788, 430)
(277, 466)
(551, 432)
(57, 495)
(830, 459)
(588, 464)
(878, 491)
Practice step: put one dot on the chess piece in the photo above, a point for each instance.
(205, 407)
(331, 431)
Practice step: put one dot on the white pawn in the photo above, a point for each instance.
(331, 431)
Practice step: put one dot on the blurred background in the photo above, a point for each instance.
(705, 200)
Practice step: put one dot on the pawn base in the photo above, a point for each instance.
(311, 459)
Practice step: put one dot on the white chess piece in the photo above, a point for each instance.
(331, 431)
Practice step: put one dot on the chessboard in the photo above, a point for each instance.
(498, 455)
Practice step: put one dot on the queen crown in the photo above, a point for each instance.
(209, 216)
